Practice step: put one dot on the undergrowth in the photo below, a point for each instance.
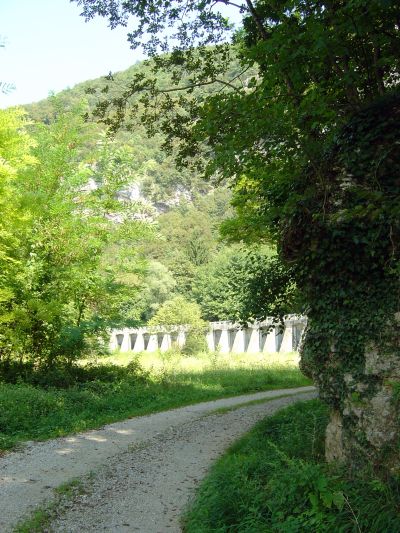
(44, 405)
(275, 480)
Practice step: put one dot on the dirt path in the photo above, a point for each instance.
(145, 469)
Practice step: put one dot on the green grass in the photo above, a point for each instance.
(105, 394)
(156, 360)
(275, 480)
(223, 410)
(36, 522)
(41, 517)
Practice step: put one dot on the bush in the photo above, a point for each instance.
(181, 312)
(178, 312)
(63, 376)
(195, 342)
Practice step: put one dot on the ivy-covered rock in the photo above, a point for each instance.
(348, 268)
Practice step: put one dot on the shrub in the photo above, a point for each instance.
(181, 312)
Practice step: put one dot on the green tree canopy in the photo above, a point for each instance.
(181, 312)
(245, 283)
(176, 312)
(57, 293)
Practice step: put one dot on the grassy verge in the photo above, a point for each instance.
(106, 393)
(223, 410)
(41, 517)
(275, 480)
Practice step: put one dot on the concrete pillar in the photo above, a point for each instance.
(210, 340)
(113, 341)
(223, 344)
(132, 340)
(239, 342)
(247, 337)
(231, 337)
(262, 333)
(146, 339)
(216, 338)
(270, 341)
(160, 337)
(166, 342)
(287, 341)
(139, 344)
(181, 339)
(278, 339)
(152, 345)
(174, 339)
(125, 346)
(298, 331)
(254, 342)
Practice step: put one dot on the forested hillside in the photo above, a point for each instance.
(155, 172)
(183, 254)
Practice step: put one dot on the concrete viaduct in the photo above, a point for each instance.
(225, 337)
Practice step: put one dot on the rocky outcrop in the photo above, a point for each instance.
(367, 428)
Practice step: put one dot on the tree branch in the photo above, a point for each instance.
(262, 31)
(202, 84)
(227, 3)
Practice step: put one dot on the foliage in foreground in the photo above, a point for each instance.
(61, 282)
(274, 480)
(102, 394)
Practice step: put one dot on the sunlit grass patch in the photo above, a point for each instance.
(156, 360)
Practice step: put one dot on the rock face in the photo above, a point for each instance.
(334, 439)
(367, 428)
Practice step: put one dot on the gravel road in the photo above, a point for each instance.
(144, 470)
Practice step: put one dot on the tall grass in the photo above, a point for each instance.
(275, 480)
(60, 403)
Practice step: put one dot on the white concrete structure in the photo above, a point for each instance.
(226, 337)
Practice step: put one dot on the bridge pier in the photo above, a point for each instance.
(223, 345)
(165, 343)
(287, 340)
(139, 344)
(238, 345)
(269, 340)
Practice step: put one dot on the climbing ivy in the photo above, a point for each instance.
(348, 256)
